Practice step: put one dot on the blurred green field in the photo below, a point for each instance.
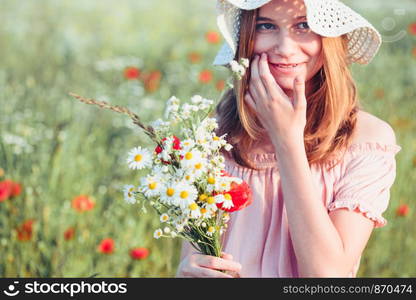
(58, 148)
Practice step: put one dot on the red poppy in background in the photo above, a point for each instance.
(212, 37)
(9, 189)
(403, 210)
(131, 73)
(412, 28)
(151, 80)
(82, 203)
(106, 246)
(194, 57)
(220, 85)
(69, 233)
(205, 76)
(379, 93)
(139, 253)
(25, 231)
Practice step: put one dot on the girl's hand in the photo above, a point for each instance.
(199, 265)
(282, 119)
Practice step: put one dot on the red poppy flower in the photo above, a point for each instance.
(205, 76)
(131, 73)
(403, 210)
(212, 37)
(412, 28)
(82, 203)
(241, 195)
(220, 85)
(139, 253)
(194, 57)
(25, 231)
(9, 189)
(69, 233)
(5, 190)
(379, 93)
(176, 146)
(152, 80)
(106, 246)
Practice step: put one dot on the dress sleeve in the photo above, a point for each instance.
(365, 181)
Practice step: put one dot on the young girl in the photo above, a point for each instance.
(320, 168)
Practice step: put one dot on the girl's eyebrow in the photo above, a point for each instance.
(271, 20)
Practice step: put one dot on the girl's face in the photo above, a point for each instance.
(283, 34)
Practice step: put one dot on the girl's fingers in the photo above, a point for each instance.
(256, 86)
(250, 101)
(217, 263)
(299, 93)
(268, 80)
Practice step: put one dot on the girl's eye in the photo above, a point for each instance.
(264, 26)
(304, 26)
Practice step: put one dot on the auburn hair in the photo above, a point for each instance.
(332, 107)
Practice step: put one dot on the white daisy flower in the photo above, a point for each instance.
(139, 158)
(193, 211)
(210, 230)
(129, 194)
(164, 218)
(196, 99)
(210, 204)
(158, 233)
(191, 158)
(245, 62)
(166, 230)
(205, 213)
(187, 144)
(169, 194)
(186, 195)
(225, 199)
(151, 185)
(173, 234)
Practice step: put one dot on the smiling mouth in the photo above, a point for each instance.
(282, 68)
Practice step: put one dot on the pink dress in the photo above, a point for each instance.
(258, 236)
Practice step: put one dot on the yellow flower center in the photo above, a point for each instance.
(211, 180)
(203, 210)
(188, 155)
(227, 196)
(152, 185)
(184, 194)
(165, 218)
(193, 206)
(170, 192)
(187, 177)
(215, 138)
(211, 229)
(198, 166)
(211, 200)
(203, 197)
(138, 157)
(129, 194)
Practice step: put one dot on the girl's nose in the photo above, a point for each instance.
(284, 45)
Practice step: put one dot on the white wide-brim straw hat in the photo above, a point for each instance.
(329, 18)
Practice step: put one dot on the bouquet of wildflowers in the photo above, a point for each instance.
(187, 184)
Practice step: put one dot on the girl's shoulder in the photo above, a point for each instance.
(371, 129)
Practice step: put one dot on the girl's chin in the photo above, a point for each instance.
(285, 83)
